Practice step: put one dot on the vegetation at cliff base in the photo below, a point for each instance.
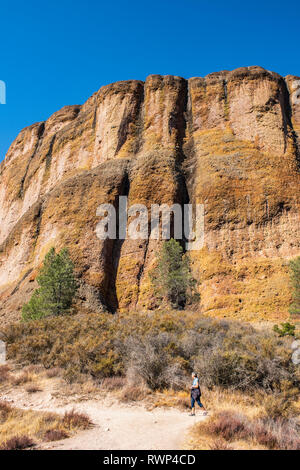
(57, 287)
(172, 277)
(287, 329)
(159, 349)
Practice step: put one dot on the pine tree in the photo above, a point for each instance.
(172, 278)
(57, 287)
(295, 281)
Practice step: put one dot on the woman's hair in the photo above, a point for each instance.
(194, 374)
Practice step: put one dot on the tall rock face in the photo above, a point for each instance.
(230, 141)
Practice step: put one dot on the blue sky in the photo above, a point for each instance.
(59, 52)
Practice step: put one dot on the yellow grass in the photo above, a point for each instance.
(29, 423)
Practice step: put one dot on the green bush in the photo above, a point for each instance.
(287, 329)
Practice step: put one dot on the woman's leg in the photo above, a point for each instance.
(200, 404)
(193, 405)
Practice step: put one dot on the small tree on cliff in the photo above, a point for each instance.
(172, 278)
(295, 281)
(57, 287)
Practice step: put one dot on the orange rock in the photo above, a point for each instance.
(229, 141)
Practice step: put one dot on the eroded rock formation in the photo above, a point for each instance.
(230, 141)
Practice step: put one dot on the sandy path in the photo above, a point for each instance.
(126, 428)
(115, 425)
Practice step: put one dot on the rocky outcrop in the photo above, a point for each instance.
(229, 141)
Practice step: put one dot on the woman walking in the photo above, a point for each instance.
(196, 394)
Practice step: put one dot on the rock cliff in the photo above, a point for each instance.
(230, 141)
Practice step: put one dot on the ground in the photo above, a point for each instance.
(115, 425)
(124, 416)
(130, 428)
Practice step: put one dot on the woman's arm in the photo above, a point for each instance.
(197, 385)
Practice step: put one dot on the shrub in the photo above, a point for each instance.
(279, 407)
(287, 329)
(133, 393)
(21, 379)
(17, 443)
(50, 418)
(72, 373)
(57, 287)
(53, 372)
(4, 373)
(150, 360)
(113, 383)
(220, 444)
(281, 434)
(55, 435)
(73, 419)
(244, 360)
(183, 401)
(276, 433)
(228, 425)
(33, 369)
(5, 409)
(33, 388)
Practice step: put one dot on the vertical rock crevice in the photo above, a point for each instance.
(225, 98)
(284, 101)
(95, 115)
(139, 122)
(112, 252)
(182, 196)
(142, 268)
(130, 117)
(40, 133)
(287, 113)
(38, 221)
(48, 158)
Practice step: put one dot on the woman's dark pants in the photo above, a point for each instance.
(195, 397)
(197, 400)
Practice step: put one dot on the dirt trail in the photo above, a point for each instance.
(132, 427)
(115, 425)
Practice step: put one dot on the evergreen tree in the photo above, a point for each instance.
(172, 278)
(57, 287)
(295, 281)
